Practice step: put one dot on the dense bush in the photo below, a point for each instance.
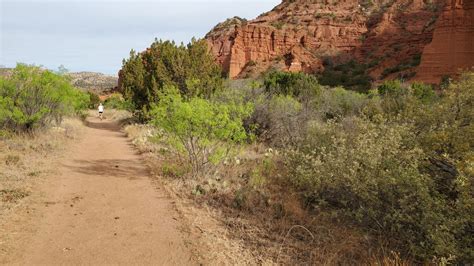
(190, 68)
(413, 62)
(277, 120)
(298, 85)
(32, 98)
(350, 75)
(116, 101)
(405, 100)
(202, 129)
(94, 100)
(282, 103)
(288, 102)
(339, 102)
(370, 173)
(447, 126)
(405, 172)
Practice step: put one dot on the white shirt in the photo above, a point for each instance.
(101, 108)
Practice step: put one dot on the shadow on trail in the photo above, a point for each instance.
(106, 167)
(103, 125)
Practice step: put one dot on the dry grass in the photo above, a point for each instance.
(243, 213)
(24, 159)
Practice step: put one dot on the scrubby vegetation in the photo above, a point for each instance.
(117, 101)
(33, 98)
(204, 129)
(393, 163)
(350, 75)
(94, 100)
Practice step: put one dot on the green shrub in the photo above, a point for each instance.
(369, 173)
(291, 101)
(251, 63)
(32, 98)
(204, 130)
(350, 75)
(338, 102)
(406, 100)
(278, 24)
(278, 120)
(94, 100)
(423, 92)
(413, 62)
(116, 101)
(396, 98)
(298, 85)
(406, 173)
(284, 124)
(444, 127)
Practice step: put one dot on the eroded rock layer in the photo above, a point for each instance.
(452, 48)
(293, 36)
(305, 35)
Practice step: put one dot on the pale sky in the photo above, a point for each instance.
(97, 35)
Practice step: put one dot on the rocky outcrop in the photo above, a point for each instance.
(294, 36)
(396, 38)
(95, 82)
(305, 35)
(452, 48)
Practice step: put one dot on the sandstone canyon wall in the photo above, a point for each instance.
(292, 36)
(452, 48)
(303, 35)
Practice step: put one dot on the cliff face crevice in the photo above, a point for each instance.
(452, 47)
(389, 36)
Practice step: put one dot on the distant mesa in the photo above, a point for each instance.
(5, 71)
(95, 82)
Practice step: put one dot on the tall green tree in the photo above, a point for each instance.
(190, 68)
(132, 80)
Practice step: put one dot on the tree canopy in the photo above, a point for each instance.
(190, 68)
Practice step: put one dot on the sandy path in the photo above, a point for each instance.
(103, 209)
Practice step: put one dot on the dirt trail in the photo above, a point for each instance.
(103, 209)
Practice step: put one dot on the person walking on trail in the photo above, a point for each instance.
(101, 111)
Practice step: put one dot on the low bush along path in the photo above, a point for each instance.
(102, 209)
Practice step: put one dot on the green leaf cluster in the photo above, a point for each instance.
(203, 129)
(298, 85)
(116, 101)
(33, 97)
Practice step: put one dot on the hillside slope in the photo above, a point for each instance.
(92, 81)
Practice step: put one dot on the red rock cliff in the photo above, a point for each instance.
(298, 35)
(452, 48)
(293, 36)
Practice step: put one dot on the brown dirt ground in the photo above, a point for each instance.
(100, 208)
